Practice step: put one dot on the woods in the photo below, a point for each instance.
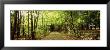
(55, 24)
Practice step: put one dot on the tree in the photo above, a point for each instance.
(15, 25)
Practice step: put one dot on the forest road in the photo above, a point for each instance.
(56, 36)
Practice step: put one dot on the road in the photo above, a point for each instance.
(56, 36)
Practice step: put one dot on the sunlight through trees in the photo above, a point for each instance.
(61, 24)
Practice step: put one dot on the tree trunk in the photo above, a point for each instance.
(37, 12)
(32, 33)
(18, 24)
(28, 23)
(23, 27)
(15, 22)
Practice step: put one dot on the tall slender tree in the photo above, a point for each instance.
(23, 27)
(32, 33)
(15, 24)
(20, 22)
(28, 23)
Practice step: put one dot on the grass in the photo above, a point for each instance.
(62, 36)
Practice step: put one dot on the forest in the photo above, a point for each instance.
(55, 24)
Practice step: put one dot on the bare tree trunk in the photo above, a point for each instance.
(20, 23)
(34, 22)
(23, 27)
(32, 33)
(17, 25)
(12, 32)
(28, 23)
(37, 12)
(15, 22)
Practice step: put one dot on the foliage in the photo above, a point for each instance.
(39, 23)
